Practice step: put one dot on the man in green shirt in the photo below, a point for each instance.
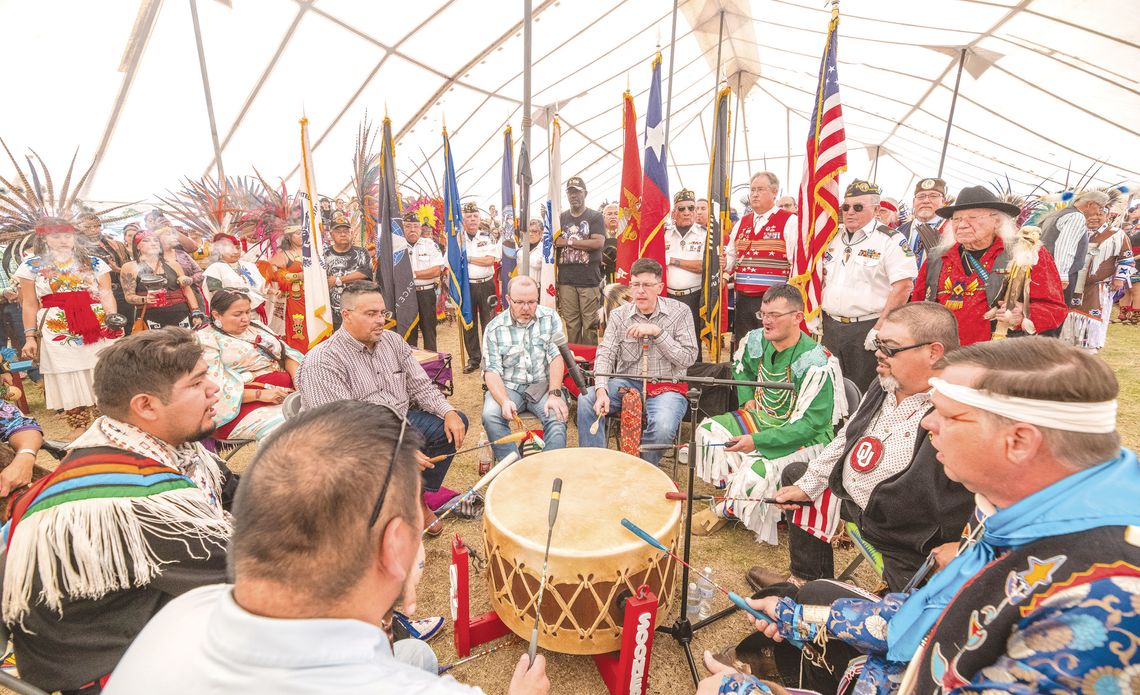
(744, 451)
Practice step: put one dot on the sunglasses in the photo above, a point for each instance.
(892, 350)
(391, 466)
(857, 206)
(686, 208)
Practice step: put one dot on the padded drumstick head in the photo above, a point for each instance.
(538, 441)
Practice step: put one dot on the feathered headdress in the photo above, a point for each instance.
(33, 196)
(429, 211)
(366, 182)
(210, 207)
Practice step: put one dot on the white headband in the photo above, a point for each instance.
(1088, 418)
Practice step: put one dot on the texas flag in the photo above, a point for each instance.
(655, 187)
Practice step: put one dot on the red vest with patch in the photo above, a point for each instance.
(761, 254)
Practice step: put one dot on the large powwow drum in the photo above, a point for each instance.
(594, 561)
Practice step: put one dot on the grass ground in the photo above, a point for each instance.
(730, 552)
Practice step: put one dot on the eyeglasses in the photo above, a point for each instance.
(533, 302)
(928, 196)
(686, 208)
(761, 189)
(858, 207)
(970, 219)
(391, 467)
(643, 285)
(773, 315)
(386, 315)
(892, 350)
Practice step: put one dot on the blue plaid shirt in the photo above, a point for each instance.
(521, 354)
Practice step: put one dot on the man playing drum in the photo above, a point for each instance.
(745, 451)
(652, 337)
(523, 368)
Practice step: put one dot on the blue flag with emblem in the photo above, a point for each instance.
(458, 285)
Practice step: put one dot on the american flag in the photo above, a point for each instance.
(825, 160)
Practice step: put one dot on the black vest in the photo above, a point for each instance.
(913, 511)
(973, 631)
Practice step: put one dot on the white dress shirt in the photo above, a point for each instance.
(791, 234)
(482, 246)
(426, 254)
(856, 283)
(684, 247)
(203, 642)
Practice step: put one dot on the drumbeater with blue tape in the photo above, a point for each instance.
(551, 517)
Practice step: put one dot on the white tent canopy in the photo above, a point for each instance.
(1049, 87)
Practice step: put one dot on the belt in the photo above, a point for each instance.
(853, 319)
(480, 281)
(684, 293)
(424, 288)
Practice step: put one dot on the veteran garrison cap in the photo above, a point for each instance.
(936, 185)
(684, 195)
(860, 187)
(410, 216)
(470, 207)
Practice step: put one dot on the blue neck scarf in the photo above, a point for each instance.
(1104, 495)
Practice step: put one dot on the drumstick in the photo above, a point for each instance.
(732, 596)
(447, 667)
(594, 427)
(682, 445)
(509, 439)
(680, 497)
(458, 500)
(555, 494)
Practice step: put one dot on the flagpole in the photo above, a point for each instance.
(953, 103)
(523, 215)
(669, 96)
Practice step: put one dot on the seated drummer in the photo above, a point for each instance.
(882, 464)
(313, 585)
(132, 517)
(1042, 597)
(653, 327)
(523, 368)
(364, 362)
(745, 451)
(22, 433)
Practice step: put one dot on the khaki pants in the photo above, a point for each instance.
(579, 307)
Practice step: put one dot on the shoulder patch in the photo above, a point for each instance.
(816, 357)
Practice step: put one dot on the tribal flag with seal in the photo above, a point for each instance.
(393, 262)
(714, 300)
(629, 202)
(655, 204)
(552, 216)
(509, 267)
(458, 285)
(824, 161)
(318, 308)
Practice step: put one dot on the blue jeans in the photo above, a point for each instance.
(663, 415)
(553, 429)
(435, 443)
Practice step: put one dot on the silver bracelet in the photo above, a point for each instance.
(27, 451)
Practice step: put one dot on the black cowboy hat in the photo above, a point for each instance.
(977, 197)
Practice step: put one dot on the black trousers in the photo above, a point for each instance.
(811, 558)
(480, 317)
(845, 341)
(425, 302)
(745, 320)
(693, 301)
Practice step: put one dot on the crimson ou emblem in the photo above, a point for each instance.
(866, 454)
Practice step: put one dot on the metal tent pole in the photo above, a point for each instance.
(953, 103)
(672, 53)
(524, 186)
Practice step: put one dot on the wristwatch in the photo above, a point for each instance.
(555, 392)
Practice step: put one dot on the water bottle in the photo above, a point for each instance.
(707, 592)
(485, 454)
(694, 603)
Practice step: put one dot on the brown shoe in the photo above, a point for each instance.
(432, 525)
(760, 578)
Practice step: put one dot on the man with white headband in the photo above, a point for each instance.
(1042, 595)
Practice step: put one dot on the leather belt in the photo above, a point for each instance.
(684, 293)
(480, 281)
(852, 319)
(424, 288)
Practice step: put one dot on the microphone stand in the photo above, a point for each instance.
(682, 630)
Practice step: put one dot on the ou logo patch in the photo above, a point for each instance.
(866, 454)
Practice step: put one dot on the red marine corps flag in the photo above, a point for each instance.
(824, 161)
(629, 202)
